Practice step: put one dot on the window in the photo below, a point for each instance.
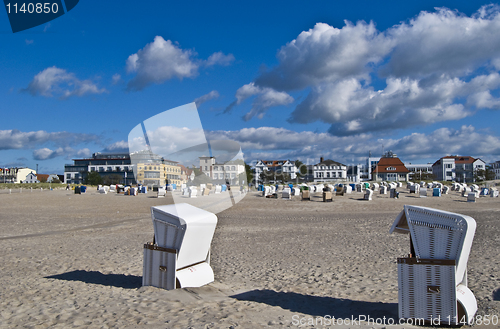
(215, 168)
(205, 160)
(328, 175)
(233, 175)
(216, 176)
(206, 168)
(334, 175)
(233, 168)
(227, 168)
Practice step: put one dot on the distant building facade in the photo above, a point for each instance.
(327, 171)
(419, 170)
(14, 175)
(495, 166)
(31, 178)
(457, 168)
(118, 164)
(275, 166)
(390, 168)
(222, 172)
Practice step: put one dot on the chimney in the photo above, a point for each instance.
(320, 159)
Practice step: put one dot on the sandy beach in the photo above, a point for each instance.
(76, 261)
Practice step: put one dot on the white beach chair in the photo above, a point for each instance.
(432, 281)
(368, 195)
(471, 197)
(267, 191)
(286, 193)
(161, 192)
(393, 193)
(193, 192)
(359, 188)
(383, 189)
(484, 192)
(218, 189)
(446, 189)
(494, 192)
(180, 254)
(423, 192)
(375, 186)
(347, 189)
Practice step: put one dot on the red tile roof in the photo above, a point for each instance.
(385, 165)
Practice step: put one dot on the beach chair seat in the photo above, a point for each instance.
(161, 193)
(368, 195)
(383, 189)
(286, 193)
(393, 193)
(306, 195)
(179, 257)
(327, 196)
(432, 281)
(423, 192)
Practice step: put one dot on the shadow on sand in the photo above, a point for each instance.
(95, 277)
(321, 306)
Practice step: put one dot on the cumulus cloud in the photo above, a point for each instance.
(46, 153)
(15, 139)
(162, 60)
(117, 147)
(219, 58)
(273, 143)
(438, 66)
(214, 94)
(54, 81)
(265, 98)
(116, 78)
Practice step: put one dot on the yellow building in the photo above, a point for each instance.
(158, 172)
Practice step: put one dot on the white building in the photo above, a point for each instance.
(495, 166)
(419, 169)
(223, 172)
(457, 168)
(327, 171)
(275, 166)
(30, 179)
(14, 175)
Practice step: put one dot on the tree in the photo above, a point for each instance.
(482, 175)
(93, 178)
(301, 167)
(111, 179)
(249, 176)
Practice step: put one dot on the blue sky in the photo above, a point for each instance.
(286, 79)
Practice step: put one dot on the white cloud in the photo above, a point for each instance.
(46, 153)
(119, 147)
(214, 94)
(15, 139)
(266, 98)
(274, 143)
(55, 81)
(437, 67)
(29, 41)
(162, 60)
(116, 78)
(159, 61)
(219, 58)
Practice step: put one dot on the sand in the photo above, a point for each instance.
(76, 261)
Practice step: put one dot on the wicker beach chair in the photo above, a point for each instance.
(180, 255)
(433, 279)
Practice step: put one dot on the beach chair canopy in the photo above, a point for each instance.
(438, 234)
(187, 229)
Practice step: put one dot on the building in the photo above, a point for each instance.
(31, 178)
(390, 168)
(457, 168)
(14, 175)
(495, 166)
(222, 172)
(327, 171)
(186, 174)
(371, 163)
(420, 171)
(354, 173)
(114, 166)
(271, 167)
(159, 172)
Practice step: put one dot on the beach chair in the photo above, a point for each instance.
(179, 256)
(266, 191)
(423, 192)
(193, 192)
(161, 192)
(432, 280)
(436, 191)
(347, 189)
(306, 195)
(218, 189)
(393, 193)
(327, 196)
(286, 193)
(484, 192)
(471, 197)
(368, 194)
(383, 189)
(494, 192)
(446, 189)
(375, 186)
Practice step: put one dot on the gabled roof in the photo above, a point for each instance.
(390, 165)
(41, 177)
(330, 163)
(458, 159)
(275, 163)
